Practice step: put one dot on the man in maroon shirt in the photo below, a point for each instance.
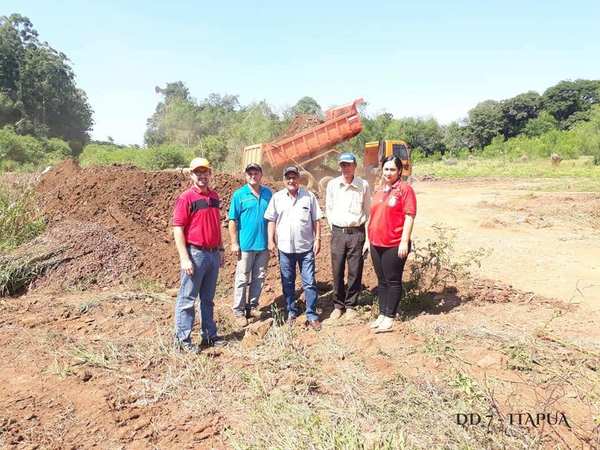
(197, 232)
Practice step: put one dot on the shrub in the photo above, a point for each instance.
(154, 158)
(167, 157)
(435, 266)
(20, 149)
(27, 152)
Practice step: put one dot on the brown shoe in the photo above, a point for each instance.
(315, 324)
(253, 313)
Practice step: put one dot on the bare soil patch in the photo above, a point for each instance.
(96, 367)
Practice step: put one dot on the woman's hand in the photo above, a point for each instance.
(403, 250)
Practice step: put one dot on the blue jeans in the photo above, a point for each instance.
(306, 264)
(201, 283)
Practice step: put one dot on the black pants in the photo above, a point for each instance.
(346, 247)
(388, 267)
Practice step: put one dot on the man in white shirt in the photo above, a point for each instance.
(293, 230)
(347, 205)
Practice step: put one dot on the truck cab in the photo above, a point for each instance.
(376, 151)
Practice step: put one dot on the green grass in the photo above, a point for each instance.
(20, 220)
(504, 168)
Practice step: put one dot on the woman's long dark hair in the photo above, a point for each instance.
(396, 160)
(397, 163)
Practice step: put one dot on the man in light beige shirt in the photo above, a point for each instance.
(347, 205)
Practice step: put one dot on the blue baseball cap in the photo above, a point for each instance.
(347, 158)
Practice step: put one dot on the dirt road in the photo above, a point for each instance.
(544, 242)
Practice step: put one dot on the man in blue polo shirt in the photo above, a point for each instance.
(248, 236)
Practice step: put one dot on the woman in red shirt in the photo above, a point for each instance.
(393, 209)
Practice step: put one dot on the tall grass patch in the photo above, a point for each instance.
(20, 219)
(581, 168)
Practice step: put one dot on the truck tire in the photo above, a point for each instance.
(323, 184)
(308, 180)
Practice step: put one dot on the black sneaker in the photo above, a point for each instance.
(216, 341)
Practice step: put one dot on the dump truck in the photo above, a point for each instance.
(308, 148)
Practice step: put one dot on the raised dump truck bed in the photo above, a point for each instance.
(341, 123)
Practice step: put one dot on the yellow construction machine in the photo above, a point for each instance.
(376, 151)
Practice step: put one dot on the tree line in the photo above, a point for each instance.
(44, 117)
(38, 94)
(219, 126)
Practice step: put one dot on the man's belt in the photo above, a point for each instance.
(205, 249)
(349, 230)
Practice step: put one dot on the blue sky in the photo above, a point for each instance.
(427, 58)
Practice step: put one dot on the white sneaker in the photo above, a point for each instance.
(376, 322)
(387, 324)
(336, 314)
(350, 314)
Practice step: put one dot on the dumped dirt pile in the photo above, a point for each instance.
(133, 205)
(300, 123)
(89, 255)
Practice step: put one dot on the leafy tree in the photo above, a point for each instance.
(38, 94)
(518, 111)
(540, 125)
(569, 97)
(156, 128)
(455, 137)
(485, 122)
(424, 134)
(179, 119)
(306, 105)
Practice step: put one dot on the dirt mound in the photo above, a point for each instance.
(90, 256)
(134, 206)
(300, 123)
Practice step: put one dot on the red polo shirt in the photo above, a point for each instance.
(387, 214)
(198, 214)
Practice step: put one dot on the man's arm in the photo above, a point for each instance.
(329, 202)
(233, 238)
(317, 231)
(221, 248)
(367, 213)
(184, 257)
(271, 235)
(271, 216)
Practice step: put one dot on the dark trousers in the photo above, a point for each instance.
(346, 247)
(388, 267)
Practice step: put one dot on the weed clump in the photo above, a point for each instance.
(435, 267)
(18, 272)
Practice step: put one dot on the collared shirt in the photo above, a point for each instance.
(248, 210)
(388, 210)
(199, 214)
(348, 205)
(294, 218)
